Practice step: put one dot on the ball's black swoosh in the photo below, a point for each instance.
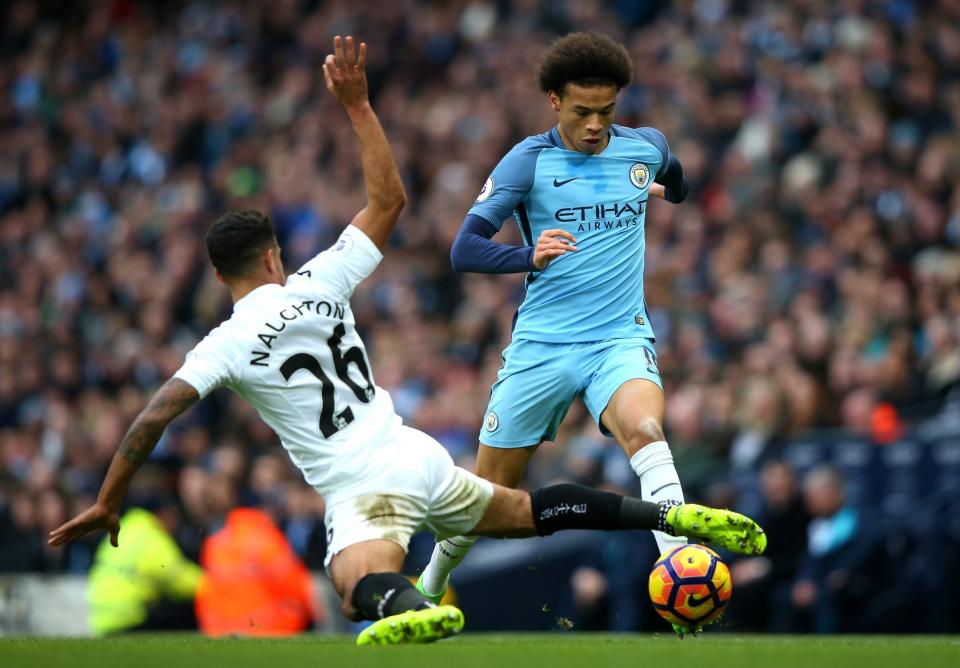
(557, 184)
(695, 602)
(692, 600)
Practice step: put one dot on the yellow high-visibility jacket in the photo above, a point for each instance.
(146, 568)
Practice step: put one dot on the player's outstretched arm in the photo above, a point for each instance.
(344, 74)
(171, 400)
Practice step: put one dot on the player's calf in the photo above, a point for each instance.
(366, 569)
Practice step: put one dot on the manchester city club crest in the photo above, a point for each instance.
(492, 421)
(639, 173)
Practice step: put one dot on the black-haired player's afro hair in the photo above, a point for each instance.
(585, 58)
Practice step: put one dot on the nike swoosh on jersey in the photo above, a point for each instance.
(557, 184)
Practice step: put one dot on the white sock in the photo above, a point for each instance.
(659, 481)
(447, 555)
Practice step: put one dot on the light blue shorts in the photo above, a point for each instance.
(538, 382)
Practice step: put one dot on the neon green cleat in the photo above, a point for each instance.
(433, 598)
(717, 528)
(414, 626)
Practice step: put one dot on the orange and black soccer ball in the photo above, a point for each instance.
(690, 586)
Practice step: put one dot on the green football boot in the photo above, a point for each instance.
(714, 526)
(433, 598)
(414, 626)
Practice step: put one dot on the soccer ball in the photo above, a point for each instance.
(690, 586)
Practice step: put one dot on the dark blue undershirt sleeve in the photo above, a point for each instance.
(675, 184)
(473, 250)
(670, 174)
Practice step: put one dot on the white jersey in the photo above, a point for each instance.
(292, 352)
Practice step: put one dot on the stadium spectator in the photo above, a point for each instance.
(254, 584)
(21, 546)
(146, 584)
(761, 581)
(832, 578)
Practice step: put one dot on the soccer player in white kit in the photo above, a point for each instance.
(291, 350)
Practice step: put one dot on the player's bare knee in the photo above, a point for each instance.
(644, 432)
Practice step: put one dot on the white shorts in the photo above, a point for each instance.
(419, 488)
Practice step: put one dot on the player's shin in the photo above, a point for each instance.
(659, 483)
(380, 595)
(447, 555)
(569, 506)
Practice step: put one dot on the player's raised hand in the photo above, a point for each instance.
(343, 72)
(552, 244)
(657, 190)
(94, 518)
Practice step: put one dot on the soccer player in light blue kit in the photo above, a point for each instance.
(579, 196)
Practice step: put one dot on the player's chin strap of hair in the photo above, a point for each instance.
(568, 506)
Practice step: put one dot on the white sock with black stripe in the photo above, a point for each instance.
(447, 555)
(659, 482)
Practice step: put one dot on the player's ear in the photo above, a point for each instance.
(272, 262)
(219, 276)
(269, 262)
(554, 100)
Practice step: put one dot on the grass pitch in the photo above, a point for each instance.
(553, 650)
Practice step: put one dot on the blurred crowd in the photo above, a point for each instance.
(811, 281)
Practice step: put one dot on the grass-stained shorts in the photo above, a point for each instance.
(538, 381)
(418, 487)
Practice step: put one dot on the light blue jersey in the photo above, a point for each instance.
(595, 293)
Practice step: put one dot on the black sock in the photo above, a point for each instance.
(567, 506)
(380, 595)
